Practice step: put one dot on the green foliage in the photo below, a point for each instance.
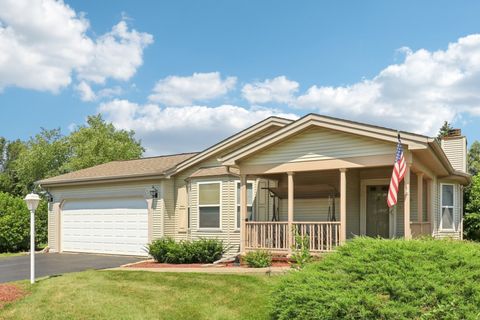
(258, 259)
(473, 203)
(50, 153)
(207, 250)
(44, 156)
(385, 279)
(99, 142)
(15, 224)
(474, 158)
(471, 226)
(300, 251)
(444, 130)
(9, 181)
(167, 250)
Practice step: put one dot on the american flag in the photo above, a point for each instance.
(399, 169)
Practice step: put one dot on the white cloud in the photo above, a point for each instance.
(87, 94)
(44, 42)
(85, 91)
(171, 130)
(418, 94)
(278, 89)
(117, 55)
(181, 91)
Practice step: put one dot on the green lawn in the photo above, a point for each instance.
(145, 295)
(8, 254)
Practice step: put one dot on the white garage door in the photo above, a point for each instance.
(114, 226)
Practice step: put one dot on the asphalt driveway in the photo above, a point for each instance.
(49, 264)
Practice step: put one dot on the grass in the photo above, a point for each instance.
(386, 279)
(145, 295)
(10, 254)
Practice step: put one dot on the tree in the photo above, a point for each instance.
(99, 142)
(444, 130)
(473, 204)
(44, 156)
(8, 174)
(474, 158)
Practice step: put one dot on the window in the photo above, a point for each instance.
(209, 205)
(249, 202)
(447, 199)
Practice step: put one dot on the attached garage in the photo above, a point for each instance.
(111, 226)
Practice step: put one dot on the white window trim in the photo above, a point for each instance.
(452, 207)
(220, 205)
(237, 183)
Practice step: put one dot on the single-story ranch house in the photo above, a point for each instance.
(322, 177)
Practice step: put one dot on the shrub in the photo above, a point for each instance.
(301, 251)
(15, 224)
(385, 279)
(167, 250)
(258, 259)
(471, 226)
(207, 250)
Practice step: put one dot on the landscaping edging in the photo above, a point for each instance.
(213, 269)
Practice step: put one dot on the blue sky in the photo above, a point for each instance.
(184, 74)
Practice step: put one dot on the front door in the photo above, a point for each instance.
(378, 222)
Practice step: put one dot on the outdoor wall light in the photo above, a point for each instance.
(154, 192)
(48, 196)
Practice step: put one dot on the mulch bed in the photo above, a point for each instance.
(10, 293)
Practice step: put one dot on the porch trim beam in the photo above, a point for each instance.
(243, 212)
(406, 206)
(420, 196)
(290, 210)
(343, 205)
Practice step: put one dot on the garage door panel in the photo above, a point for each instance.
(115, 226)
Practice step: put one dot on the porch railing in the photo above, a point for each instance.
(321, 236)
(275, 236)
(270, 235)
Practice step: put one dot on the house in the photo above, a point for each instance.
(323, 177)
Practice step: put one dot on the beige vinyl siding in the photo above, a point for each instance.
(227, 232)
(309, 209)
(167, 203)
(353, 203)
(456, 150)
(320, 144)
(61, 195)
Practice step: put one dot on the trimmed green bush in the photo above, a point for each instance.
(207, 250)
(15, 224)
(471, 226)
(385, 279)
(167, 250)
(258, 259)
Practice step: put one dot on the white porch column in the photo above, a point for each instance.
(343, 205)
(290, 210)
(406, 205)
(420, 196)
(243, 212)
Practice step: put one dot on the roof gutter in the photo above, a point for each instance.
(100, 180)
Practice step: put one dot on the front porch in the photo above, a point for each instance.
(330, 206)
